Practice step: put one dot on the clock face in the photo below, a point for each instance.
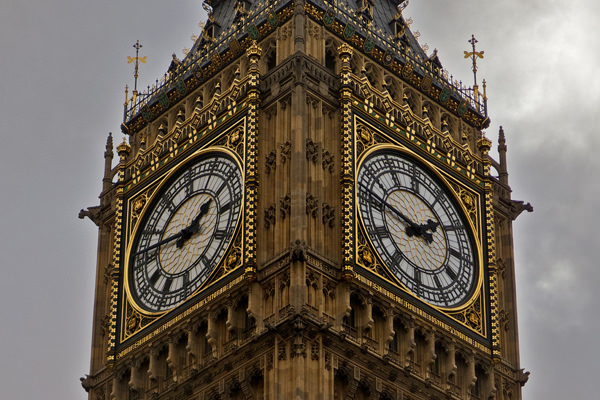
(416, 228)
(185, 232)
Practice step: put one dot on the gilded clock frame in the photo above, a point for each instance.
(133, 319)
(463, 184)
(366, 248)
(228, 262)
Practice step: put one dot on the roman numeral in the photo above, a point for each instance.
(221, 187)
(152, 232)
(397, 257)
(221, 234)
(155, 277)
(456, 253)
(414, 181)
(168, 203)
(418, 277)
(452, 227)
(380, 231)
(167, 285)
(450, 273)
(189, 187)
(205, 262)
(225, 208)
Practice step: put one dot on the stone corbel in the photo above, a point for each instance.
(388, 329)
(153, 365)
(312, 205)
(230, 325)
(410, 343)
(115, 387)
(368, 328)
(470, 377)
(136, 377)
(451, 361)
(192, 345)
(490, 388)
(212, 333)
(431, 356)
(171, 361)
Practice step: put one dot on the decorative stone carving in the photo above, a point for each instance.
(312, 205)
(268, 289)
(285, 206)
(270, 162)
(314, 350)
(270, 216)
(298, 251)
(328, 213)
(327, 162)
(281, 351)
(312, 280)
(312, 151)
(284, 151)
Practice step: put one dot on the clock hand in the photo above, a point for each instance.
(182, 235)
(398, 213)
(158, 244)
(412, 229)
(187, 232)
(429, 225)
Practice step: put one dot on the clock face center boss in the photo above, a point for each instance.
(417, 228)
(185, 231)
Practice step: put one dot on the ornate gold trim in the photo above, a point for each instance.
(348, 214)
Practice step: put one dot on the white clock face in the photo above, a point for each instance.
(185, 232)
(416, 228)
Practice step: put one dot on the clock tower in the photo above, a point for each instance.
(305, 208)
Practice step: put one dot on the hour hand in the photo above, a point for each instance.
(412, 228)
(187, 232)
(422, 230)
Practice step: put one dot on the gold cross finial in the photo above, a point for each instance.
(137, 59)
(474, 54)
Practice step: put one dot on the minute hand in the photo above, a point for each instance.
(158, 244)
(413, 229)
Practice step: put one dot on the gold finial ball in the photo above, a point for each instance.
(123, 150)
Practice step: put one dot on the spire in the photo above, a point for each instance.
(108, 157)
(503, 174)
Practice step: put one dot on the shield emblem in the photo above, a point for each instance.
(426, 83)
(180, 86)
(462, 108)
(235, 46)
(253, 32)
(272, 18)
(369, 44)
(349, 31)
(445, 95)
(163, 99)
(146, 113)
(329, 17)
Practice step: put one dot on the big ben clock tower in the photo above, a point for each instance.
(305, 208)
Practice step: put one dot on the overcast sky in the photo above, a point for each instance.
(63, 70)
